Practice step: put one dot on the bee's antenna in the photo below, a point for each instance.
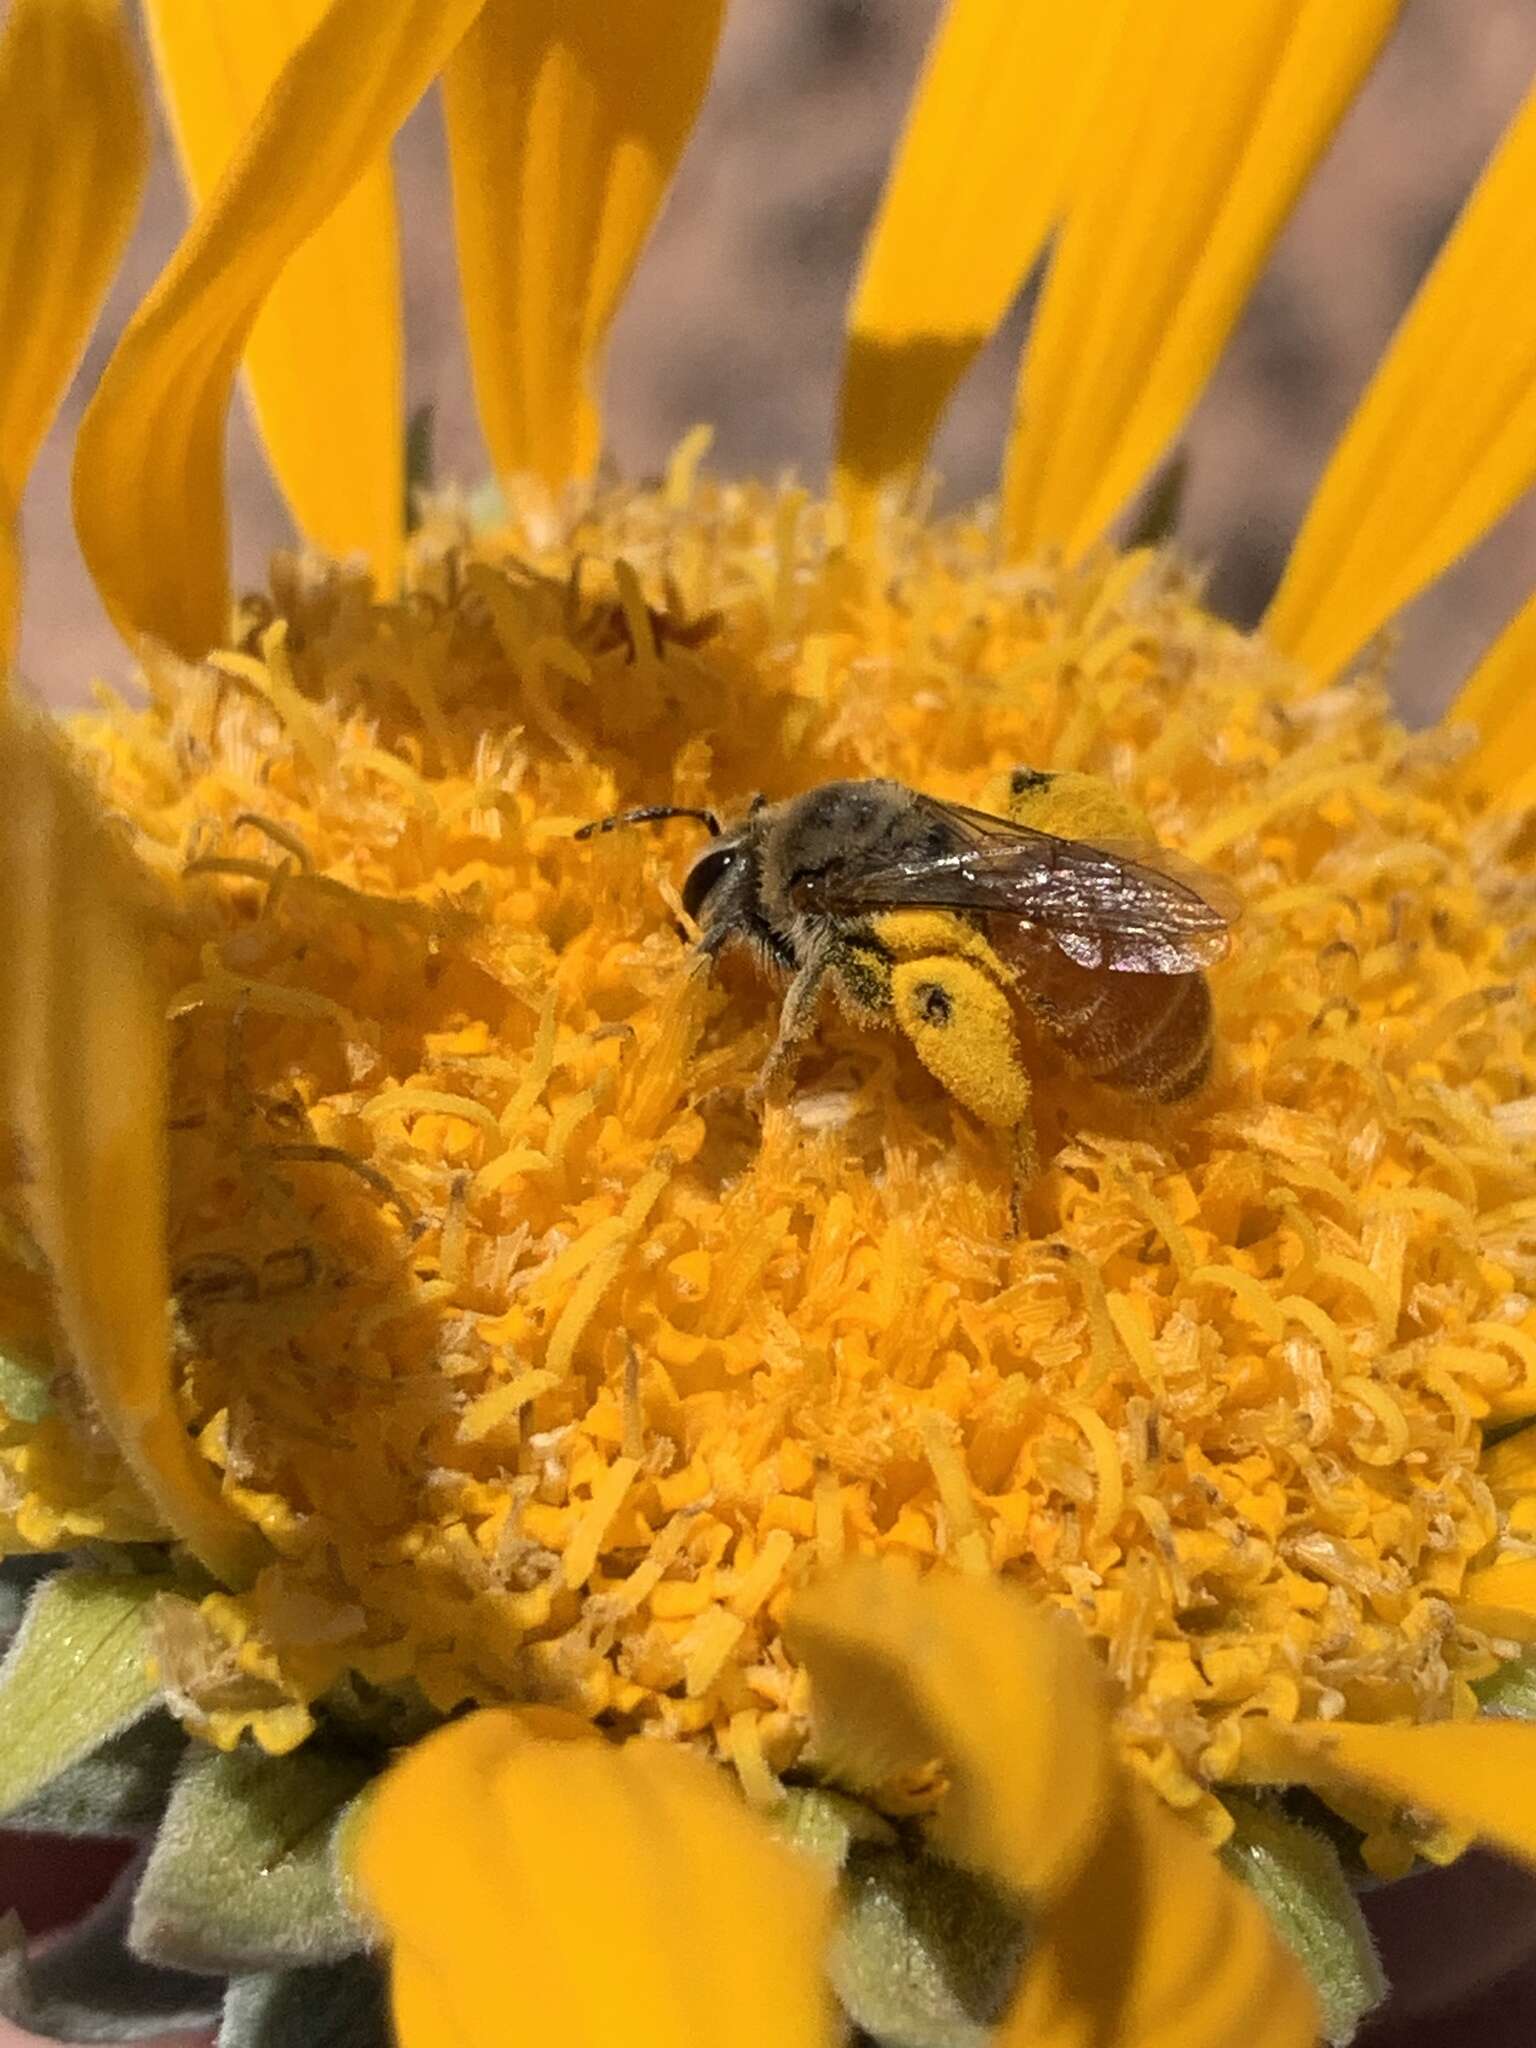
(650, 814)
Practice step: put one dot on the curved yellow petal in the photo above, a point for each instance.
(1480, 1775)
(1501, 1599)
(1444, 440)
(82, 1058)
(974, 188)
(1212, 117)
(149, 463)
(324, 358)
(566, 119)
(904, 1670)
(1499, 698)
(1138, 1934)
(72, 162)
(1510, 1467)
(1156, 1944)
(587, 1894)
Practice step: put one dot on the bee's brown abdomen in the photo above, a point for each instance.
(1146, 1034)
(1163, 1040)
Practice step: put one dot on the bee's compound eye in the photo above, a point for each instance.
(710, 868)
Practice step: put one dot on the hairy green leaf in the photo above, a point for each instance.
(75, 1675)
(825, 1825)
(1301, 1882)
(244, 1875)
(20, 1577)
(119, 1789)
(924, 1955)
(25, 1391)
(337, 2005)
(88, 1986)
(1510, 1693)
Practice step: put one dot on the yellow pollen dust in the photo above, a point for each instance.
(550, 1365)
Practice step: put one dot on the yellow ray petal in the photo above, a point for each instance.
(149, 464)
(1501, 1598)
(566, 119)
(1499, 698)
(1510, 1467)
(973, 190)
(72, 162)
(1444, 440)
(1212, 117)
(588, 1894)
(1155, 1943)
(73, 149)
(324, 358)
(82, 1056)
(1138, 1933)
(1480, 1775)
(904, 1670)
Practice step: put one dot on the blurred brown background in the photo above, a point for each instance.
(736, 314)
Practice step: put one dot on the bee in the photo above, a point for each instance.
(947, 923)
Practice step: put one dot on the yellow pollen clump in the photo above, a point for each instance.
(549, 1365)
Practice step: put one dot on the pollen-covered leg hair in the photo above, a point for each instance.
(961, 1025)
(1074, 806)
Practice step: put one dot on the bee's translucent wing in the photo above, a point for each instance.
(1125, 908)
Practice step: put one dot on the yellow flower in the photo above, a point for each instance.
(513, 1360)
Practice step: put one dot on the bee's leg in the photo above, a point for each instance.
(961, 1025)
(795, 1020)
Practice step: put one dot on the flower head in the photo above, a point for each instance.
(429, 1289)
